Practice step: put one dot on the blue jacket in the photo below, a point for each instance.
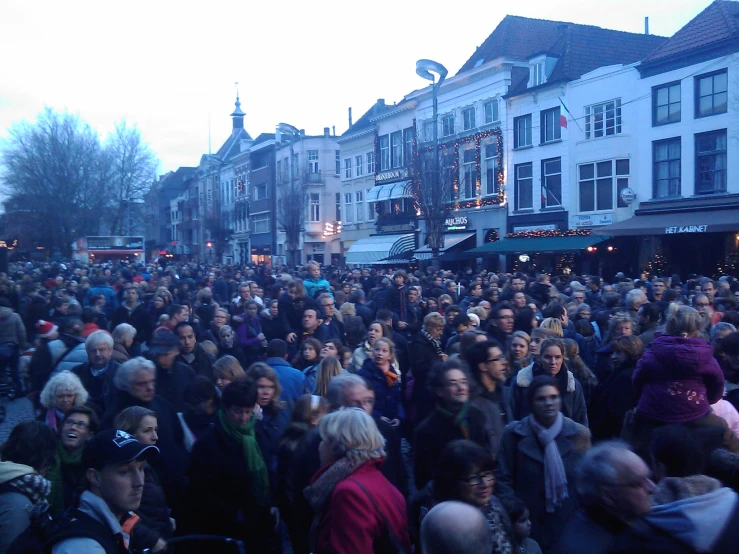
(292, 380)
(314, 285)
(387, 399)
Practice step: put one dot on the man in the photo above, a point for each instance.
(501, 322)
(455, 527)
(330, 327)
(97, 373)
(291, 379)
(191, 353)
(134, 312)
(173, 376)
(313, 283)
(105, 518)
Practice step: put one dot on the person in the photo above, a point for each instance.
(66, 476)
(551, 362)
(465, 474)
(123, 336)
(134, 312)
(521, 524)
(614, 487)
(226, 370)
(518, 355)
(358, 510)
(191, 353)
(173, 376)
(291, 380)
(201, 399)
(313, 283)
(26, 457)
(615, 395)
(328, 368)
(426, 348)
(12, 342)
(61, 393)
(537, 460)
(229, 492)
(227, 345)
(104, 521)
(455, 527)
(384, 379)
(98, 372)
(453, 418)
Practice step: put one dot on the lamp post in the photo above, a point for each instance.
(293, 132)
(429, 70)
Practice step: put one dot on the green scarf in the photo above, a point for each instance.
(254, 461)
(459, 419)
(54, 475)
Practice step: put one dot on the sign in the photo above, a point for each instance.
(686, 229)
(527, 228)
(458, 223)
(115, 243)
(595, 220)
(628, 195)
(392, 175)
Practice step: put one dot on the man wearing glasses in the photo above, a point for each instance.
(330, 328)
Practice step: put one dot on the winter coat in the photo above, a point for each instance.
(387, 398)
(14, 506)
(291, 380)
(521, 472)
(573, 400)
(355, 519)
(423, 358)
(202, 364)
(611, 399)
(12, 330)
(677, 380)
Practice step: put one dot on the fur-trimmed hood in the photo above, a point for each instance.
(526, 375)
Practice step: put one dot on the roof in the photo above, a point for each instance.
(717, 23)
(227, 150)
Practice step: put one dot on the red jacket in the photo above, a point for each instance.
(351, 524)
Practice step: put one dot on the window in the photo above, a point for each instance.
(491, 168)
(396, 149)
(710, 162)
(524, 187)
(313, 161)
(359, 195)
(596, 185)
(602, 120)
(260, 191)
(468, 119)
(370, 163)
(359, 165)
(338, 162)
(348, 207)
(549, 125)
(537, 74)
(260, 223)
(408, 145)
(315, 207)
(551, 183)
(447, 125)
(711, 93)
(666, 176)
(467, 178)
(338, 206)
(370, 209)
(666, 104)
(491, 111)
(522, 131)
(384, 153)
(347, 168)
(428, 130)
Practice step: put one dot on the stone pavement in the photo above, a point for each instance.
(16, 411)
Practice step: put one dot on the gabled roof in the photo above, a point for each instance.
(230, 147)
(717, 23)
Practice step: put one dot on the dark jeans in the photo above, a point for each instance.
(10, 358)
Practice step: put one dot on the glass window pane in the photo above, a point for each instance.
(622, 167)
(605, 169)
(586, 171)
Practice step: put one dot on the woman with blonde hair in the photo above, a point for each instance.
(328, 367)
(61, 393)
(226, 370)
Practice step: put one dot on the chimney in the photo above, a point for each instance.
(326, 132)
(646, 25)
(350, 117)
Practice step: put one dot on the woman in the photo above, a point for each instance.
(60, 394)
(227, 345)
(327, 368)
(308, 354)
(614, 396)
(551, 362)
(357, 509)
(537, 460)
(353, 325)
(123, 336)
(225, 371)
(272, 326)
(66, 477)
(384, 379)
(465, 474)
(249, 333)
(229, 480)
(426, 347)
(141, 423)
(331, 348)
(376, 330)
(519, 355)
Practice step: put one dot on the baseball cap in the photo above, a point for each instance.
(163, 342)
(114, 446)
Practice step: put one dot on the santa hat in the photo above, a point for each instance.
(45, 329)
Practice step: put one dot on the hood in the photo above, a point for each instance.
(698, 521)
(11, 470)
(5, 313)
(681, 355)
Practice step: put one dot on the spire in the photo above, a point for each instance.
(238, 114)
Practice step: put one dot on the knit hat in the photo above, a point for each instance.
(45, 329)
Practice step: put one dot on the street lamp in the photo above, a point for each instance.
(429, 70)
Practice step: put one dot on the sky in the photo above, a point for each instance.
(170, 67)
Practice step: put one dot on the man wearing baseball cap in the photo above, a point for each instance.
(104, 519)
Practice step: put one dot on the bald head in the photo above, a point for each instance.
(455, 527)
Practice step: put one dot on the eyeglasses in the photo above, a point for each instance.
(79, 424)
(477, 480)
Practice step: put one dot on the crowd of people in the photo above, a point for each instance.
(331, 410)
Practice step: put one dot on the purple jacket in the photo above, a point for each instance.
(677, 380)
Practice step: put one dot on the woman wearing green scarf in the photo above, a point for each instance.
(229, 483)
(79, 425)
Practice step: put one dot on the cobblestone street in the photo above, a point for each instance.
(17, 411)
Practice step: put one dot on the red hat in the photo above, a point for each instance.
(45, 329)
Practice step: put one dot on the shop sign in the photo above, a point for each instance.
(393, 175)
(458, 223)
(595, 220)
(686, 229)
(528, 228)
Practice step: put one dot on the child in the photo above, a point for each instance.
(519, 514)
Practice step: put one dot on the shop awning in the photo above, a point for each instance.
(714, 221)
(537, 245)
(390, 191)
(370, 250)
(450, 241)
